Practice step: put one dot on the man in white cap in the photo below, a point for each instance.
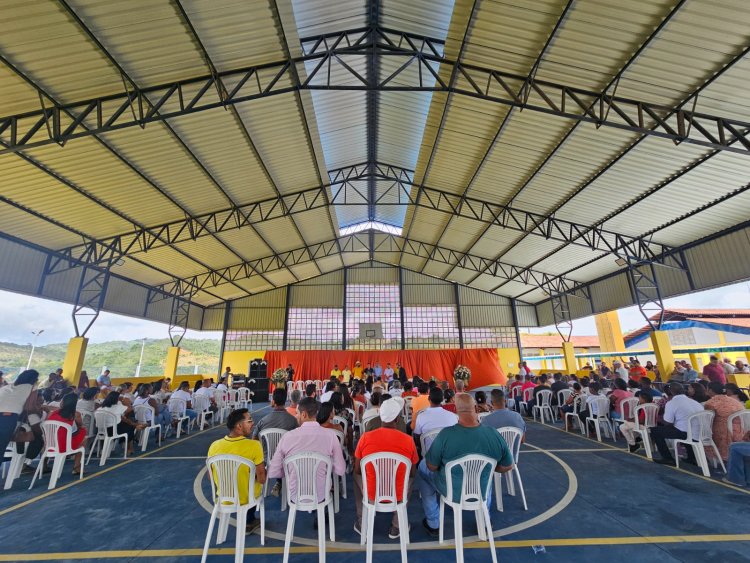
(386, 439)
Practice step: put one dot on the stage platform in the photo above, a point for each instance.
(588, 502)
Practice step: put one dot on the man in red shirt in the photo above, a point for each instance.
(714, 371)
(637, 371)
(386, 439)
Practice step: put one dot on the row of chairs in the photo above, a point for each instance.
(304, 467)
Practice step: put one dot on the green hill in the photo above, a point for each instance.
(121, 357)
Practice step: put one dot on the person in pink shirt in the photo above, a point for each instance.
(714, 371)
(618, 396)
(528, 384)
(309, 437)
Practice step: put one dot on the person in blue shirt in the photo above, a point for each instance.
(465, 438)
(645, 383)
(502, 416)
(378, 371)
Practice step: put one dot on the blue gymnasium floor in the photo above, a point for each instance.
(587, 501)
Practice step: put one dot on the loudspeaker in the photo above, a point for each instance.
(258, 368)
(259, 387)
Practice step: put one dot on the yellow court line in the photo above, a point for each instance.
(102, 472)
(510, 544)
(680, 469)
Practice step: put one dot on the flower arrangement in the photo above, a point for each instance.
(278, 378)
(462, 372)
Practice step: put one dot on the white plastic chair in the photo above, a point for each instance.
(407, 409)
(145, 415)
(343, 422)
(482, 415)
(233, 398)
(223, 471)
(743, 418)
(178, 409)
(222, 405)
(562, 396)
(14, 463)
(52, 449)
(651, 413)
(104, 439)
(386, 467)
(202, 405)
(543, 406)
(576, 404)
(269, 440)
(339, 489)
(426, 439)
(512, 437)
(244, 398)
(366, 421)
(303, 469)
(527, 395)
(473, 497)
(700, 435)
(599, 414)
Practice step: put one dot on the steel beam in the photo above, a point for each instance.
(370, 243)
(401, 190)
(141, 106)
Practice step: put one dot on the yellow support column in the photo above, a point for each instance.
(544, 362)
(170, 367)
(569, 356)
(609, 331)
(747, 357)
(583, 361)
(694, 362)
(662, 351)
(73, 363)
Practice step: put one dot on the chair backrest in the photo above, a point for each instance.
(269, 439)
(387, 466)
(512, 436)
(739, 420)
(223, 473)
(87, 417)
(233, 395)
(426, 439)
(528, 394)
(482, 415)
(342, 421)
(177, 407)
(577, 402)
(243, 394)
(105, 420)
(700, 426)
(544, 398)
(220, 396)
(50, 430)
(515, 391)
(563, 396)
(303, 468)
(627, 408)
(470, 469)
(359, 409)
(341, 437)
(599, 406)
(367, 419)
(201, 403)
(651, 413)
(144, 414)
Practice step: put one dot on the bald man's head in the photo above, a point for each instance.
(465, 403)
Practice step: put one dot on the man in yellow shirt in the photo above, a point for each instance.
(240, 425)
(357, 370)
(336, 372)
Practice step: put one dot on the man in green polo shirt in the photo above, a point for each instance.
(465, 438)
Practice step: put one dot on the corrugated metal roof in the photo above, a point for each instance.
(215, 159)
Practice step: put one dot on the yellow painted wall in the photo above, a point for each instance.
(240, 359)
(509, 359)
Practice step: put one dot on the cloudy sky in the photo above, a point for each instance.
(20, 315)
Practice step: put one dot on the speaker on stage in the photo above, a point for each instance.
(259, 387)
(258, 368)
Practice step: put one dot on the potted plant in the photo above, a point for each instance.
(278, 378)
(463, 373)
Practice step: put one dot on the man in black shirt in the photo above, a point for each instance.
(289, 373)
(557, 385)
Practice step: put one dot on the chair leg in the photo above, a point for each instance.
(647, 443)
(459, 534)
(488, 523)
(211, 523)
(403, 527)
(700, 455)
(289, 532)
(498, 492)
(239, 541)
(262, 510)
(520, 486)
(441, 536)
(331, 525)
(223, 528)
(370, 533)
(321, 535)
(57, 468)
(362, 525)
(479, 517)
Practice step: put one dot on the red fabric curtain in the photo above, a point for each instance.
(317, 364)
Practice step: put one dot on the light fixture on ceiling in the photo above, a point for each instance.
(119, 262)
(370, 225)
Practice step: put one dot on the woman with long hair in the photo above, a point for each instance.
(67, 413)
(723, 406)
(697, 392)
(12, 400)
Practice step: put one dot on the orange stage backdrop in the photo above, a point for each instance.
(317, 364)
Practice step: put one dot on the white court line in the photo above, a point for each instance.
(572, 450)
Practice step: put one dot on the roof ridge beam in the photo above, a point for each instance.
(370, 243)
